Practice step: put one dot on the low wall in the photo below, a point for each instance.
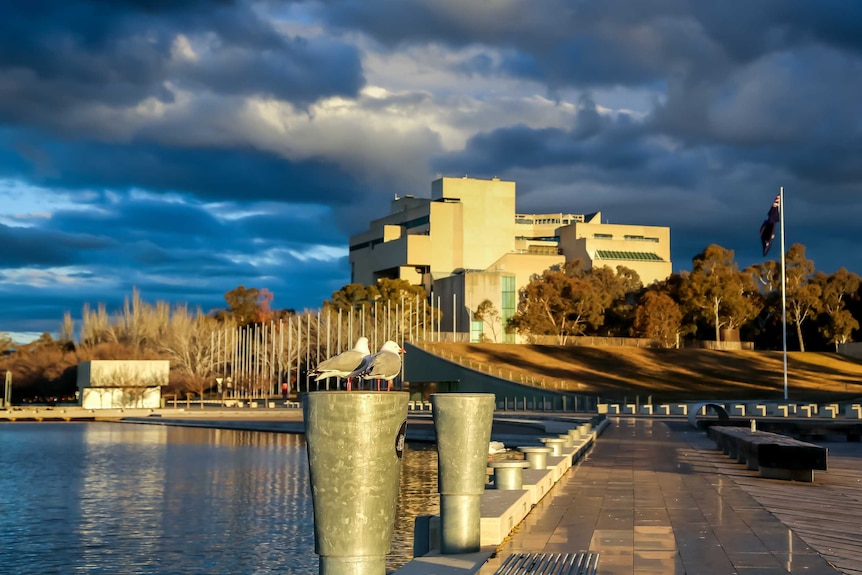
(421, 366)
(852, 349)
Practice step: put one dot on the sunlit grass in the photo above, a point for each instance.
(668, 375)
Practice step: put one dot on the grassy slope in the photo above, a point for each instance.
(670, 375)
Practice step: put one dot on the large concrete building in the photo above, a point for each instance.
(467, 243)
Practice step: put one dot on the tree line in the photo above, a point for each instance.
(715, 297)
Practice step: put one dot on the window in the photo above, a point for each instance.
(477, 327)
(603, 236)
(417, 222)
(509, 303)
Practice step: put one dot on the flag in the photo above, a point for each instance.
(767, 230)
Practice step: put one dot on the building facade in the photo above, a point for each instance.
(467, 243)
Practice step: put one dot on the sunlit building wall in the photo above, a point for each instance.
(467, 243)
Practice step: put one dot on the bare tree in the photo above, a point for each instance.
(490, 315)
(188, 343)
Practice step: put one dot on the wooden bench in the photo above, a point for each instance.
(773, 455)
(583, 563)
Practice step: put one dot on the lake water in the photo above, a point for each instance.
(92, 498)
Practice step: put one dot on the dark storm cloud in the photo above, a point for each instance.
(34, 247)
(611, 149)
(60, 56)
(728, 100)
(172, 237)
(211, 173)
(170, 251)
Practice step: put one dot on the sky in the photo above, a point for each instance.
(187, 147)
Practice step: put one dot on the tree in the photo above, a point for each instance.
(835, 290)
(839, 327)
(559, 304)
(244, 304)
(188, 342)
(803, 295)
(618, 290)
(6, 343)
(722, 295)
(658, 317)
(487, 313)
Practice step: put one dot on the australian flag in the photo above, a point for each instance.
(767, 230)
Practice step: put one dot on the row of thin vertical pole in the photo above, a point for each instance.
(254, 361)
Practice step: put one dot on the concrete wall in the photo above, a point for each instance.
(116, 398)
(123, 373)
(421, 366)
(470, 227)
(578, 241)
(853, 349)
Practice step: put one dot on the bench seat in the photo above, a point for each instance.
(773, 455)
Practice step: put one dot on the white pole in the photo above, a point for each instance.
(783, 289)
(439, 317)
(454, 315)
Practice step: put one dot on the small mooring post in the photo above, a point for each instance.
(463, 425)
(355, 442)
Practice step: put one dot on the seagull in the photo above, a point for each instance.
(344, 363)
(385, 364)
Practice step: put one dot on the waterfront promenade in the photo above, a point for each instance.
(654, 497)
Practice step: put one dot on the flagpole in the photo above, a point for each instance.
(783, 289)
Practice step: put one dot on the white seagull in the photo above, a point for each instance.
(343, 364)
(385, 365)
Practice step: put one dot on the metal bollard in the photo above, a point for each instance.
(463, 425)
(575, 434)
(355, 441)
(568, 442)
(537, 457)
(508, 475)
(555, 443)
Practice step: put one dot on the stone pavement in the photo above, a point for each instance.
(655, 498)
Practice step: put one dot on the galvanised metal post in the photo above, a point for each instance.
(355, 441)
(537, 457)
(463, 425)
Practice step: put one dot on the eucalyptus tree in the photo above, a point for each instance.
(803, 295)
(618, 291)
(489, 315)
(559, 302)
(658, 317)
(836, 289)
(718, 292)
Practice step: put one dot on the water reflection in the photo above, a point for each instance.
(110, 498)
(417, 496)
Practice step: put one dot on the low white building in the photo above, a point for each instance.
(112, 384)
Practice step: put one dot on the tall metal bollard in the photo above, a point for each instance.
(355, 441)
(463, 425)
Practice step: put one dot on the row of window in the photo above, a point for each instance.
(565, 221)
(635, 238)
(368, 244)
